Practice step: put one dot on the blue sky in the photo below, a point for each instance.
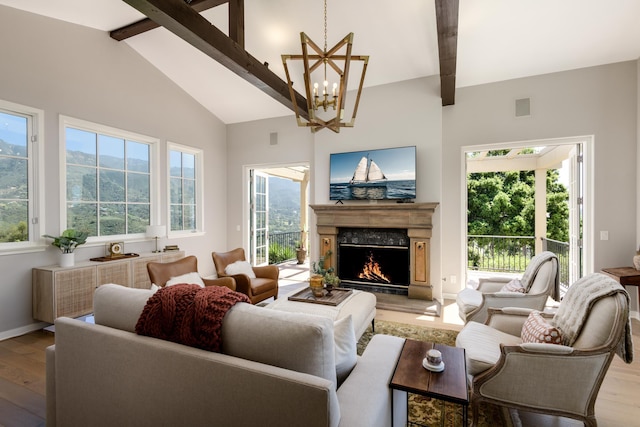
(396, 163)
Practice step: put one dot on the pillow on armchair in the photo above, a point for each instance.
(240, 267)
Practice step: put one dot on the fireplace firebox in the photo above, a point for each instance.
(374, 259)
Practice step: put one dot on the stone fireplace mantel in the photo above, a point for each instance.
(416, 218)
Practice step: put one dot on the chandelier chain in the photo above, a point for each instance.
(325, 25)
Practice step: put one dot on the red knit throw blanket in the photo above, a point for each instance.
(188, 314)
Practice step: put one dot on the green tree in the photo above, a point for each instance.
(503, 204)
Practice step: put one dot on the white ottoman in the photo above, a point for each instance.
(360, 305)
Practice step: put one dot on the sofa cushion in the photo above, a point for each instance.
(295, 341)
(240, 267)
(119, 307)
(192, 278)
(345, 347)
(537, 329)
(468, 300)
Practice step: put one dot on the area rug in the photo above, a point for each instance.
(423, 410)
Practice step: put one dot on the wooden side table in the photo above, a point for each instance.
(626, 276)
(449, 385)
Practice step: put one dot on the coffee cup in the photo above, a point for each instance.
(434, 357)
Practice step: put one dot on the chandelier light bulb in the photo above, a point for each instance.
(315, 89)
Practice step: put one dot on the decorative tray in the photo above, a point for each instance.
(336, 297)
(114, 257)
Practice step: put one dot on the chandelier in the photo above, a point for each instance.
(328, 67)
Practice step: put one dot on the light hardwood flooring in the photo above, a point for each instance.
(22, 377)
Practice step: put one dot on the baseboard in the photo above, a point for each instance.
(634, 315)
(449, 296)
(12, 333)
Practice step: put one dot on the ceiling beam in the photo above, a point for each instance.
(447, 23)
(177, 17)
(147, 24)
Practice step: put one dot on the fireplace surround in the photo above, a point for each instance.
(414, 218)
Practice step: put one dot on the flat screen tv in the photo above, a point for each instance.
(381, 174)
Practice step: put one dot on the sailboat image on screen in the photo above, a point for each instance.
(368, 174)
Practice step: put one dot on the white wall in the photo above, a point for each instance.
(66, 69)
(600, 101)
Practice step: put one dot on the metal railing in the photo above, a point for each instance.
(561, 249)
(282, 246)
(509, 254)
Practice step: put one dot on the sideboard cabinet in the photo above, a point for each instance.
(68, 291)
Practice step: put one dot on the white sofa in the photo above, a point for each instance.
(276, 369)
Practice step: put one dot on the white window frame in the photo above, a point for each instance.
(199, 178)
(35, 176)
(66, 121)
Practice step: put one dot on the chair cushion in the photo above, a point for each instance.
(537, 329)
(240, 267)
(514, 285)
(482, 346)
(192, 278)
(260, 285)
(468, 300)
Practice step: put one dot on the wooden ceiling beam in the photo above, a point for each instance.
(447, 23)
(177, 17)
(147, 24)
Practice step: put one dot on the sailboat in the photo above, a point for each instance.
(368, 174)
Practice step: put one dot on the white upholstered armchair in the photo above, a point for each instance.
(539, 281)
(507, 367)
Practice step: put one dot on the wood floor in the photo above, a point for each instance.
(22, 377)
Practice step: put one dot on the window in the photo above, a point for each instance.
(109, 179)
(185, 187)
(20, 183)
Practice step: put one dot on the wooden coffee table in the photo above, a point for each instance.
(449, 385)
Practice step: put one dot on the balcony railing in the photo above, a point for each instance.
(511, 254)
(282, 246)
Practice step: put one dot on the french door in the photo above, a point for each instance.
(259, 218)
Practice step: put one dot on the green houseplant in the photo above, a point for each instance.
(69, 240)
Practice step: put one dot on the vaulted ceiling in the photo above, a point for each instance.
(496, 40)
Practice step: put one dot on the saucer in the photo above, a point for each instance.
(432, 368)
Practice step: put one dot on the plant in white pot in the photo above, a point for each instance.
(67, 243)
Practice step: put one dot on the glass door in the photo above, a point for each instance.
(259, 239)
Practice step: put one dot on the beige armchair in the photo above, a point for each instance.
(555, 379)
(259, 288)
(540, 281)
(160, 272)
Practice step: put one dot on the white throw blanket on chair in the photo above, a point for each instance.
(577, 303)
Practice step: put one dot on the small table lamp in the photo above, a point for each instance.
(155, 231)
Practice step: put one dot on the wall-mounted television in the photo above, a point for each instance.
(381, 174)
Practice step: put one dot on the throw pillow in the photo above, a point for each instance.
(189, 278)
(345, 347)
(513, 286)
(537, 329)
(240, 267)
(154, 287)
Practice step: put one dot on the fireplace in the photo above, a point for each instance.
(374, 259)
(339, 229)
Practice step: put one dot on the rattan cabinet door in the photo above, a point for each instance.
(140, 274)
(74, 291)
(117, 272)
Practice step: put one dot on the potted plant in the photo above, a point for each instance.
(67, 242)
(301, 252)
(322, 274)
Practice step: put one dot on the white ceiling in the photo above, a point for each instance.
(497, 40)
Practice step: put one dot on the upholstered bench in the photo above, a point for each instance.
(360, 305)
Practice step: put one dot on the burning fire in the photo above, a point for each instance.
(372, 272)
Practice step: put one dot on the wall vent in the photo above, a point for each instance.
(273, 138)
